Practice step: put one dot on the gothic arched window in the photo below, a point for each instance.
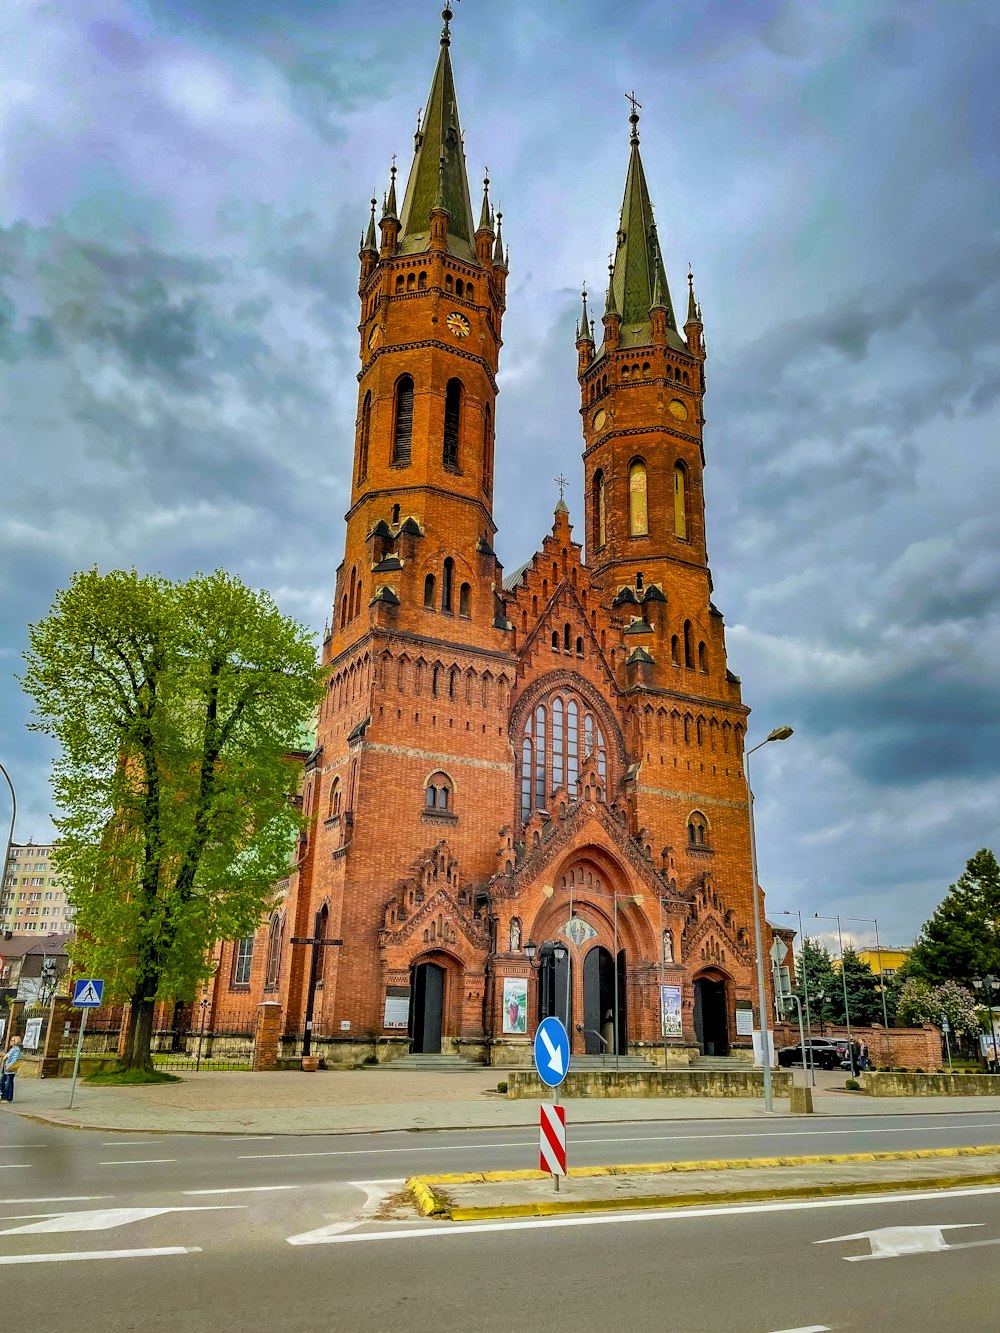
(600, 509)
(366, 421)
(487, 450)
(452, 424)
(559, 736)
(403, 426)
(638, 511)
(680, 501)
(688, 647)
(448, 585)
(273, 951)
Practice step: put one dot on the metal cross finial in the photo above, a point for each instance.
(633, 119)
(562, 482)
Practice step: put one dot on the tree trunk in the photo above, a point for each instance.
(139, 1037)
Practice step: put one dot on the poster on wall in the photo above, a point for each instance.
(397, 1007)
(670, 1010)
(515, 1006)
(744, 1018)
(32, 1034)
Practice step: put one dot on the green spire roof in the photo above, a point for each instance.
(639, 279)
(439, 152)
(371, 240)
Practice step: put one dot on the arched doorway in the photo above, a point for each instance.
(426, 1008)
(599, 982)
(711, 1016)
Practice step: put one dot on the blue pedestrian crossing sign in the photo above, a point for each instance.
(551, 1051)
(88, 993)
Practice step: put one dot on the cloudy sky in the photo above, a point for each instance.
(183, 187)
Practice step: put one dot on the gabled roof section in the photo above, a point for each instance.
(639, 278)
(439, 157)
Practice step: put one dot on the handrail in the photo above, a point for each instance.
(590, 1032)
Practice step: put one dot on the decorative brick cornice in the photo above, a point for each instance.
(460, 352)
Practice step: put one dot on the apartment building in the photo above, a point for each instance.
(32, 901)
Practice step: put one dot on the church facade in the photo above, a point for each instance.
(548, 759)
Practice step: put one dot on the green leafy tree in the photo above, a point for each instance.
(815, 967)
(175, 706)
(962, 939)
(920, 1003)
(862, 991)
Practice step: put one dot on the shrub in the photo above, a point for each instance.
(502, 1085)
(852, 1085)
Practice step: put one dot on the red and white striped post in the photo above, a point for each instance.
(552, 1141)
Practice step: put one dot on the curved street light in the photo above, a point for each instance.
(778, 734)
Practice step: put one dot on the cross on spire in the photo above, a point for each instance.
(633, 119)
(562, 482)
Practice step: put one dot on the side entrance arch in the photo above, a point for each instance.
(600, 979)
(426, 1008)
(711, 1015)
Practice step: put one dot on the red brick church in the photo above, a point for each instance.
(551, 758)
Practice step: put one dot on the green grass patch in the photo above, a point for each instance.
(122, 1078)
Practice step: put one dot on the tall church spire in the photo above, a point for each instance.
(439, 161)
(639, 279)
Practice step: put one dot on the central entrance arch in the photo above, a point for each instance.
(711, 1016)
(426, 1008)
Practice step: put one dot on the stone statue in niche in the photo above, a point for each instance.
(668, 947)
(515, 935)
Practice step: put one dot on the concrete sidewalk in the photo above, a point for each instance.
(506, 1194)
(367, 1100)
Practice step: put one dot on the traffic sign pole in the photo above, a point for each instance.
(79, 1052)
(555, 1102)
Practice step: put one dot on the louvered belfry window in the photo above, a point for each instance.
(452, 418)
(402, 440)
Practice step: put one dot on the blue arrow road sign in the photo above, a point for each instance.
(88, 993)
(551, 1052)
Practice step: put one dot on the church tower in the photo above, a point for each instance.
(412, 764)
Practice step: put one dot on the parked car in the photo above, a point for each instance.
(825, 1053)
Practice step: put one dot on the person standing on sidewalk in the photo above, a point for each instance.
(8, 1068)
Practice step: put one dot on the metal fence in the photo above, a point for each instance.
(195, 1042)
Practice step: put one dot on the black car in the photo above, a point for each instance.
(825, 1053)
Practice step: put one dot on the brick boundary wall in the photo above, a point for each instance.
(910, 1048)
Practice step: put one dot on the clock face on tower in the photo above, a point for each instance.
(373, 337)
(458, 325)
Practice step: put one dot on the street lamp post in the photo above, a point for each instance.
(986, 985)
(843, 979)
(878, 950)
(778, 734)
(807, 1052)
(10, 832)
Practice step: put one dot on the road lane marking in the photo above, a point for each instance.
(140, 1161)
(249, 1138)
(375, 1196)
(246, 1189)
(373, 1152)
(630, 1138)
(15, 1166)
(129, 1143)
(813, 1328)
(665, 1215)
(106, 1219)
(61, 1198)
(82, 1256)
(5, 1146)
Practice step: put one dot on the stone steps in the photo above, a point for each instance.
(429, 1064)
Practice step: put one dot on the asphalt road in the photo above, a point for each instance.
(191, 1234)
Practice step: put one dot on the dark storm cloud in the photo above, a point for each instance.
(185, 183)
